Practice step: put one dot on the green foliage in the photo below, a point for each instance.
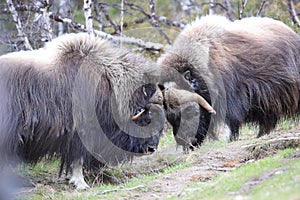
(166, 139)
(282, 183)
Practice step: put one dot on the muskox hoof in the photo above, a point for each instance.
(79, 184)
(186, 149)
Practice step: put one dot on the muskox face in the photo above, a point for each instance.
(149, 95)
(188, 100)
(187, 111)
(146, 99)
(186, 125)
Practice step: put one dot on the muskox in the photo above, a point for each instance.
(81, 99)
(247, 70)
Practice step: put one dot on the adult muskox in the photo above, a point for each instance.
(79, 98)
(248, 70)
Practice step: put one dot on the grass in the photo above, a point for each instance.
(229, 185)
(126, 177)
(166, 139)
(105, 191)
(286, 184)
(136, 177)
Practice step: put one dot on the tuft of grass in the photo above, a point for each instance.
(166, 139)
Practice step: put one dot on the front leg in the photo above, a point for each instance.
(234, 128)
(77, 176)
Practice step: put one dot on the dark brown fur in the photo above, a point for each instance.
(248, 70)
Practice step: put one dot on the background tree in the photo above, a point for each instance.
(145, 25)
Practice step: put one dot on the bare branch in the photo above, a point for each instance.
(244, 3)
(74, 25)
(214, 4)
(228, 8)
(260, 8)
(19, 26)
(162, 19)
(155, 23)
(46, 22)
(116, 39)
(104, 11)
(293, 13)
(122, 18)
(170, 22)
(186, 6)
(131, 40)
(99, 17)
(211, 10)
(87, 7)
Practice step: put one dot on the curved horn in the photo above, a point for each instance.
(138, 114)
(175, 97)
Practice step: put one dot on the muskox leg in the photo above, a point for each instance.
(77, 176)
(235, 128)
(266, 125)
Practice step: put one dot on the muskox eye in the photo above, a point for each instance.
(188, 76)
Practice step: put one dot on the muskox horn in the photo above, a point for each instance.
(138, 114)
(176, 97)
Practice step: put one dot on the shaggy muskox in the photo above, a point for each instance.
(248, 70)
(81, 99)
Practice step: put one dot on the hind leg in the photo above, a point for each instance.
(267, 124)
(234, 128)
(263, 130)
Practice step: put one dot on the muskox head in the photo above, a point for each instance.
(247, 70)
(185, 111)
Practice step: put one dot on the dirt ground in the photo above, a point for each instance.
(206, 163)
(212, 161)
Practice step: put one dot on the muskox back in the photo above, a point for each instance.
(248, 70)
(70, 99)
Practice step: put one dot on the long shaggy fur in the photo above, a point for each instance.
(248, 70)
(36, 89)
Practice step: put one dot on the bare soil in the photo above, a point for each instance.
(212, 161)
(206, 163)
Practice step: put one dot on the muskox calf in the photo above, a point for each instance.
(81, 99)
(247, 70)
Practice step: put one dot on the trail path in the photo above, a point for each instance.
(209, 163)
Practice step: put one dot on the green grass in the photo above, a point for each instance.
(166, 139)
(102, 192)
(285, 185)
(221, 187)
(126, 177)
(227, 185)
